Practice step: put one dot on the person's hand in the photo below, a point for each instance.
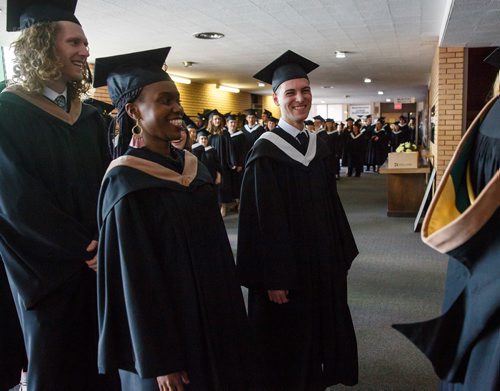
(278, 296)
(218, 178)
(92, 263)
(239, 168)
(173, 381)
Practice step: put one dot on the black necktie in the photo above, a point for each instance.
(303, 140)
(61, 102)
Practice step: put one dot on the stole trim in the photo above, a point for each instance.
(290, 150)
(158, 171)
(48, 106)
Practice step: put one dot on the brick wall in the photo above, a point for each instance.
(268, 104)
(446, 93)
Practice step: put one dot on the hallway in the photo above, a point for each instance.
(394, 279)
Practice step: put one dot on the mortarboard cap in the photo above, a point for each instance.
(308, 122)
(368, 116)
(22, 14)
(349, 119)
(202, 132)
(273, 119)
(288, 66)
(268, 113)
(250, 112)
(319, 117)
(329, 120)
(214, 112)
(494, 58)
(201, 116)
(102, 107)
(231, 117)
(127, 72)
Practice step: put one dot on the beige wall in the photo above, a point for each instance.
(268, 104)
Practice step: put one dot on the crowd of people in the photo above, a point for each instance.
(117, 272)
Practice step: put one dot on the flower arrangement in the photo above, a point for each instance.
(406, 147)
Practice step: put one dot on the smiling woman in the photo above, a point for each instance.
(170, 313)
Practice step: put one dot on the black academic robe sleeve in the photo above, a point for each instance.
(139, 319)
(263, 220)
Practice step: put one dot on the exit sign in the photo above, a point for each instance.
(398, 106)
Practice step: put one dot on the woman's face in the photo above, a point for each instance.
(216, 121)
(192, 134)
(181, 143)
(159, 111)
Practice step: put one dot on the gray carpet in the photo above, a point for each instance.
(395, 279)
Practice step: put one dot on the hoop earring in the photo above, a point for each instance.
(137, 130)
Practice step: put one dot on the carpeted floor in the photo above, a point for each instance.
(395, 279)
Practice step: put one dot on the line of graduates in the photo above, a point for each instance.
(359, 144)
(222, 147)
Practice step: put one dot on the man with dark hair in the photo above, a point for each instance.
(53, 154)
(252, 130)
(295, 246)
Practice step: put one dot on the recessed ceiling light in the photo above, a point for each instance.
(368, 80)
(326, 86)
(208, 35)
(261, 84)
(339, 54)
(323, 101)
(381, 92)
(388, 100)
(228, 89)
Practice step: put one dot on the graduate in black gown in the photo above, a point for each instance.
(333, 142)
(379, 145)
(356, 150)
(53, 155)
(252, 130)
(219, 139)
(171, 313)
(463, 221)
(239, 150)
(397, 137)
(295, 246)
(209, 157)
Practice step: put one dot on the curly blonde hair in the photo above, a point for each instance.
(36, 61)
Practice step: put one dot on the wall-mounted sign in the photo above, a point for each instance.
(358, 111)
(398, 106)
(405, 100)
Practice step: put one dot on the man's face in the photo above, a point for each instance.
(203, 140)
(72, 50)
(294, 98)
(271, 125)
(231, 125)
(368, 121)
(251, 120)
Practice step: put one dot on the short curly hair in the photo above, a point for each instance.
(36, 60)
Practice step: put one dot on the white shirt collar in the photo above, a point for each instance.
(52, 95)
(291, 130)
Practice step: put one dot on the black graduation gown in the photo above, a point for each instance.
(463, 343)
(293, 235)
(379, 146)
(222, 146)
(197, 150)
(211, 161)
(396, 139)
(355, 150)
(252, 134)
(168, 295)
(13, 355)
(52, 163)
(334, 144)
(368, 132)
(239, 150)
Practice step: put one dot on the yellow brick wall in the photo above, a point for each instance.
(268, 104)
(446, 93)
